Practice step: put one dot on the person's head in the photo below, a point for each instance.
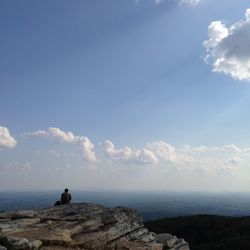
(66, 190)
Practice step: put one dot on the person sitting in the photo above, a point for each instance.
(65, 197)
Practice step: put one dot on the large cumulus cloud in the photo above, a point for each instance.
(228, 48)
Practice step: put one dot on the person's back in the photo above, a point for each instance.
(65, 197)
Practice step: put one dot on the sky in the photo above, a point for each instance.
(125, 95)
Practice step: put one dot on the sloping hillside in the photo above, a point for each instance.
(207, 232)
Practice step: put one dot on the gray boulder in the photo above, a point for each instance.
(171, 242)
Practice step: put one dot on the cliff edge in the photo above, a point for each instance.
(81, 226)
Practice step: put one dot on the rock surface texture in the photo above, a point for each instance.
(81, 226)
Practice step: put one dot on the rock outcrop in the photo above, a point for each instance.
(81, 226)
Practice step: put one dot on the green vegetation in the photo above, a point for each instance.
(207, 232)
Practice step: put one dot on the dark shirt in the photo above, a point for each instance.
(65, 198)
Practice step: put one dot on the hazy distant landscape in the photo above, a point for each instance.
(207, 221)
(152, 205)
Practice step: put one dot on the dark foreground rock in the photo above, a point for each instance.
(81, 226)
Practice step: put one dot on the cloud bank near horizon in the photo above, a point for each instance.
(110, 165)
(227, 48)
(185, 158)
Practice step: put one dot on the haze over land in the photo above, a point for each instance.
(125, 95)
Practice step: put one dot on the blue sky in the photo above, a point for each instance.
(96, 93)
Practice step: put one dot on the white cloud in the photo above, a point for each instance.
(204, 149)
(214, 166)
(228, 48)
(233, 161)
(6, 140)
(17, 167)
(87, 148)
(129, 155)
(190, 2)
(160, 154)
(216, 32)
(68, 137)
(60, 135)
(162, 150)
(184, 159)
(232, 147)
(56, 134)
(201, 160)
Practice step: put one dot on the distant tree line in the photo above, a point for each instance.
(207, 232)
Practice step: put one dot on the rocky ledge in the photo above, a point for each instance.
(81, 226)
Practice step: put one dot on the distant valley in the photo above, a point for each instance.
(207, 232)
(152, 205)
